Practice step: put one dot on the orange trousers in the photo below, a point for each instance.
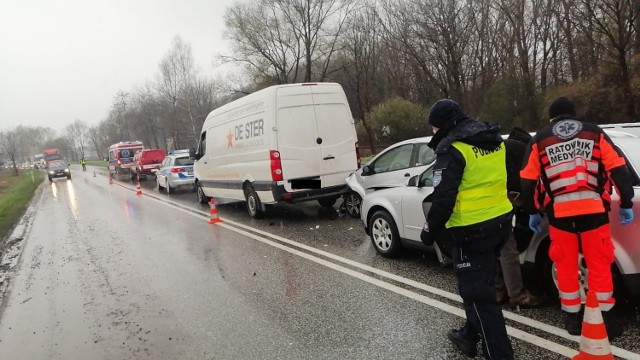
(597, 250)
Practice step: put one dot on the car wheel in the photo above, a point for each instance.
(50, 179)
(327, 202)
(159, 186)
(384, 234)
(167, 187)
(254, 208)
(352, 204)
(69, 177)
(202, 198)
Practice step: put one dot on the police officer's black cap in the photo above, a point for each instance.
(444, 113)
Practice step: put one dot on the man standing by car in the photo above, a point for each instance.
(470, 201)
(574, 161)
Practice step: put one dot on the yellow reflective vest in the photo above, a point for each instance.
(482, 194)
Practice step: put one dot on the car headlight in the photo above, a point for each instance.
(66, 170)
(51, 172)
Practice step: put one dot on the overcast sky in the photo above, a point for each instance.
(62, 60)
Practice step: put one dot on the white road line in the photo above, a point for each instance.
(519, 334)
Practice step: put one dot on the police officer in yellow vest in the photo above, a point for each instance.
(470, 201)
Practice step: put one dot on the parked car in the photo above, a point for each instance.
(176, 170)
(392, 167)
(393, 219)
(146, 162)
(58, 168)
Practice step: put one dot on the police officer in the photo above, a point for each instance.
(470, 201)
(83, 162)
(575, 161)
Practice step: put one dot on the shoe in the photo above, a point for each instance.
(613, 325)
(465, 345)
(525, 299)
(501, 296)
(573, 323)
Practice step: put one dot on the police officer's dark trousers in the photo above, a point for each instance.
(475, 252)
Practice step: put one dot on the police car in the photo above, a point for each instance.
(175, 171)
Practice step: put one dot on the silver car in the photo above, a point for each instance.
(393, 218)
(175, 171)
(392, 167)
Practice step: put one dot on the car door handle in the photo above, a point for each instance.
(330, 157)
(407, 175)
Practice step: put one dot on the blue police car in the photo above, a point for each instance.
(175, 171)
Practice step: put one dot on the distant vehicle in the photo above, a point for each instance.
(50, 155)
(121, 157)
(58, 168)
(37, 161)
(290, 143)
(392, 167)
(175, 171)
(146, 162)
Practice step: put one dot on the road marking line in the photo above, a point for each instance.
(522, 335)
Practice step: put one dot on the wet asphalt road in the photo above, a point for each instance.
(106, 274)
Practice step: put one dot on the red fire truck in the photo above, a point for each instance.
(121, 157)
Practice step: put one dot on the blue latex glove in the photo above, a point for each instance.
(425, 235)
(534, 222)
(626, 216)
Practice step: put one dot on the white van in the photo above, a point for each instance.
(289, 143)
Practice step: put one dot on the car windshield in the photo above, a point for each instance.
(184, 161)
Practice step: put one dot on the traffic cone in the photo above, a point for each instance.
(594, 342)
(94, 173)
(138, 189)
(214, 213)
(110, 180)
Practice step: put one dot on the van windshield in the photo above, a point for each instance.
(127, 153)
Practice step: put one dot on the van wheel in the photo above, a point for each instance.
(327, 202)
(202, 198)
(254, 206)
(352, 204)
(384, 234)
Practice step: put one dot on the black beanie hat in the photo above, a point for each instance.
(561, 106)
(444, 113)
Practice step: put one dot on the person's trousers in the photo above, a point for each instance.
(475, 255)
(510, 271)
(597, 249)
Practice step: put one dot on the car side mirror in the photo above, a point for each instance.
(193, 155)
(413, 181)
(366, 170)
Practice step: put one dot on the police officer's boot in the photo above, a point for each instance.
(573, 323)
(614, 325)
(465, 342)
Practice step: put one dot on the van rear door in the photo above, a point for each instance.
(297, 134)
(315, 135)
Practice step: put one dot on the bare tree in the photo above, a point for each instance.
(77, 134)
(10, 147)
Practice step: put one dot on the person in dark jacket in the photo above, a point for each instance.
(509, 280)
(470, 201)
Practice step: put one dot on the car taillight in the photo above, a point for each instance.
(358, 155)
(276, 165)
(177, 170)
(119, 162)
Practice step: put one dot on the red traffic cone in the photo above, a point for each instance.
(594, 342)
(94, 173)
(214, 213)
(138, 188)
(110, 179)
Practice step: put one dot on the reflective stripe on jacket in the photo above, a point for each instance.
(482, 194)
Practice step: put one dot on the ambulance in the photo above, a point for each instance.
(121, 157)
(286, 143)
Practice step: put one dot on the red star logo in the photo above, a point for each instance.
(229, 140)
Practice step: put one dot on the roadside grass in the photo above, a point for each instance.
(15, 194)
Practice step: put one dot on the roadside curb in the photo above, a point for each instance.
(11, 247)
